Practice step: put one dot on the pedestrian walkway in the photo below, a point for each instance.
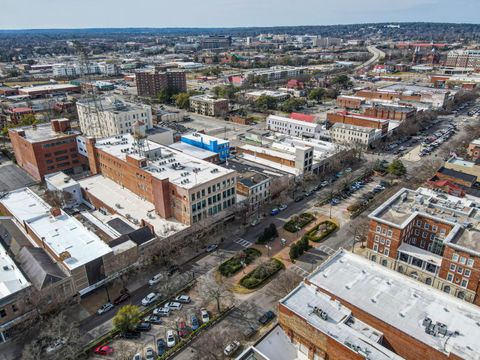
(243, 242)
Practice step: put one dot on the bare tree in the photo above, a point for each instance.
(217, 292)
(285, 282)
(212, 343)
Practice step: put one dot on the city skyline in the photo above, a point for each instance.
(248, 13)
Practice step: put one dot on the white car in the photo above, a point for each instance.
(171, 338)
(184, 299)
(150, 299)
(55, 345)
(205, 316)
(173, 305)
(163, 311)
(104, 308)
(211, 248)
(231, 348)
(155, 280)
(282, 207)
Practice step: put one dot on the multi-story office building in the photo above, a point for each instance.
(179, 185)
(207, 142)
(149, 84)
(276, 73)
(390, 112)
(47, 148)
(431, 237)
(215, 42)
(344, 117)
(208, 105)
(111, 116)
(463, 58)
(352, 135)
(297, 128)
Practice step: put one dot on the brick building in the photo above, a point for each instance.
(47, 148)
(149, 84)
(474, 149)
(350, 102)
(390, 112)
(464, 59)
(180, 186)
(208, 106)
(431, 237)
(358, 120)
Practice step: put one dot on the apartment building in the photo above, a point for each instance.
(345, 117)
(208, 105)
(149, 84)
(47, 148)
(350, 102)
(352, 135)
(350, 308)
(180, 186)
(276, 73)
(111, 116)
(293, 127)
(215, 42)
(207, 142)
(390, 112)
(431, 237)
(463, 58)
(255, 187)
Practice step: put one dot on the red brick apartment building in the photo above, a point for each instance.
(47, 148)
(179, 185)
(431, 237)
(387, 95)
(390, 112)
(149, 84)
(351, 308)
(345, 117)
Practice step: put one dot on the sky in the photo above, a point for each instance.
(45, 14)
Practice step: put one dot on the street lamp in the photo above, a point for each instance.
(268, 250)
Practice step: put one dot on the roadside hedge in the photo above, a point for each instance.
(313, 235)
(298, 222)
(234, 264)
(261, 273)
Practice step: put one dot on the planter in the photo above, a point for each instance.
(261, 274)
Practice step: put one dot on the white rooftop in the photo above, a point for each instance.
(292, 121)
(183, 170)
(401, 302)
(24, 204)
(129, 205)
(60, 180)
(268, 151)
(11, 278)
(204, 138)
(191, 150)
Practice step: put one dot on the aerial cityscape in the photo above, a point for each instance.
(249, 180)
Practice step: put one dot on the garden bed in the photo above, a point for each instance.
(261, 273)
(321, 231)
(298, 222)
(234, 264)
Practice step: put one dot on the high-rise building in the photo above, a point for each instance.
(149, 84)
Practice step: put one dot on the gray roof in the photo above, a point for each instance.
(39, 267)
(9, 231)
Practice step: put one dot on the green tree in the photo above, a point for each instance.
(316, 94)
(396, 168)
(294, 253)
(292, 104)
(127, 318)
(166, 95)
(265, 103)
(342, 81)
(225, 91)
(182, 100)
(26, 120)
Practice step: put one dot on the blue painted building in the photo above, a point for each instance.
(207, 142)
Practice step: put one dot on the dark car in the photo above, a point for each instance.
(161, 347)
(182, 329)
(299, 198)
(143, 326)
(249, 332)
(121, 298)
(131, 335)
(153, 319)
(267, 317)
(173, 269)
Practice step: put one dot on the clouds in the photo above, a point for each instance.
(227, 13)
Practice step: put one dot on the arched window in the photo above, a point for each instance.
(384, 262)
(374, 258)
(446, 289)
(428, 281)
(414, 275)
(461, 295)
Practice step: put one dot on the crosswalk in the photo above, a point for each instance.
(243, 242)
(326, 249)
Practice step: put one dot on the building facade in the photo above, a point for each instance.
(149, 84)
(208, 106)
(358, 120)
(293, 127)
(352, 135)
(210, 143)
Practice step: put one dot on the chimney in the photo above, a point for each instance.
(55, 211)
(55, 125)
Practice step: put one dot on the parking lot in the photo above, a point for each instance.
(13, 177)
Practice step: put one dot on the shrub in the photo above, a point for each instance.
(234, 264)
(294, 254)
(298, 222)
(268, 234)
(261, 273)
(313, 235)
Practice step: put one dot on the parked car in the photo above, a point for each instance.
(231, 348)
(153, 319)
(299, 198)
(274, 212)
(267, 317)
(348, 170)
(184, 299)
(56, 345)
(173, 269)
(308, 193)
(121, 298)
(137, 356)
(324, 183)
(155, 280)
(194, 322)
(282, 207)
(173, 305)
(249, 332)
(104, 308)
(163, 311)
(171, 338)
(182, 329)
(161, 347)
(149, 354)
(143, 326)
(205, 315)
(103, 350)
(131, 335)
(211, 247)
(150, 299)
(255, 222)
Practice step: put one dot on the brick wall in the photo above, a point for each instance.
(275, 159)
(333, 118)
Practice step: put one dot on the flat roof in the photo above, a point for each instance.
(43, 132)
(353, 127)
(129, 205)
(306, 302)
(183, 170)
(401, 302)
(268, 151)
(292, 121)
(402, 87)
(191, 150)
(207, 139)
(206, 98)
(12, 279)
(115, 104)
(50, 87)
(60, 180)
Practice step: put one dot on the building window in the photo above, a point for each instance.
(446, 289)
(450, 277)
(426, 226)
(386, 251)
(382, 241)
(428, 281)
(375, 247)
(467, 273)
(470, 262)
(463, 260)
(461, 295)
(455, 257)
(387, 242)
(434, 228)
(389, 233)
(464, 283)
(374, 258)
(384, 262)
(419, 223)
(3, 313)
(379, 229)
(460, 270)
(453, 267)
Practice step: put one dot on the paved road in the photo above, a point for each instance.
(377, 55)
